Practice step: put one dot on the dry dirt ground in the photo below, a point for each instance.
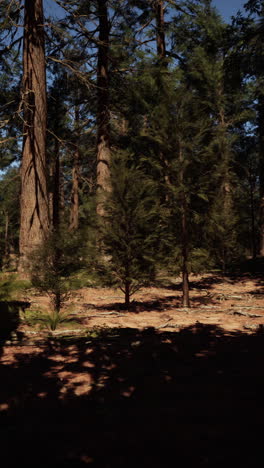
(231, 303)
(157, 386)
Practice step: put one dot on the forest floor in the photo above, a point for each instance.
(233, 303)
(113, 388)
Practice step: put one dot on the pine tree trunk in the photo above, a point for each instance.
(127, 294)
(261, 171)
(74, 210)
(103, 114)
(6, 235)
(184, 232)
(56, 188)
(161, 52)
(7, 247)
(253, 220)
(34, 223)
(160, 27)
(225, 188)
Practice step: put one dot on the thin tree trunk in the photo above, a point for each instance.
(160, 27)
(74, 210)
(127, 294)
(184, 231)
(6, 256)
(6, 236)
(261, 172)
(225, 187)
(56, 188)
(253, 220)
(161, 52)
(103, 114)
(62, 193)
(34, 223)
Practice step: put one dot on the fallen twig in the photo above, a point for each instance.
(245, 314)
(165, 324)
(251, 327)
(106, 314)
(251, 307)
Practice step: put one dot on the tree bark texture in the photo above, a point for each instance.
(103, 114)
(34, 223)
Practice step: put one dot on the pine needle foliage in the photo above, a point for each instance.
(53, 266)
(131, 227)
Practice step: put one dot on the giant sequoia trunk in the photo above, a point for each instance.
(34, 222)
(103, 115)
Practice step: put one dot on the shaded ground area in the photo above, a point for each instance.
(132, 398)
(154, 387)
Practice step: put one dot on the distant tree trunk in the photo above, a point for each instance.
(160, 28)
(161, 52)
(103, 114)
(74, 210)
(225, 187)
(253, 218)
(261, 171)
(56, 188)
(184, 232)
(6, 235)
(7, 246)
(34, 223)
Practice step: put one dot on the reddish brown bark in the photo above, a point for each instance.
(34, 223)
(103, 114)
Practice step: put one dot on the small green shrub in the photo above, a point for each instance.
(52, 271)
(49, 320)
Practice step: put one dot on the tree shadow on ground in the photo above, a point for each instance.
(152, 400)
(9, 318)
(159, 304)
(259, 291)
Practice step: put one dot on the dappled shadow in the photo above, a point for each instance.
(150, 400)
(259, 291)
